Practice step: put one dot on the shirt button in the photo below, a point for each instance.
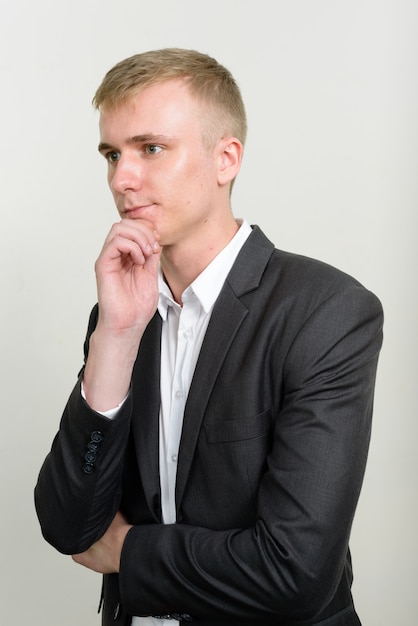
(174, 458)
(179, 394)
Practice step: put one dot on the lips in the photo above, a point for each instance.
(136, 211)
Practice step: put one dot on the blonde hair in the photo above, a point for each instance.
(209, 82)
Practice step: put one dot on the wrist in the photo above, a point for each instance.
(108, 370)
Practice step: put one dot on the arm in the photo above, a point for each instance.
(75, 503)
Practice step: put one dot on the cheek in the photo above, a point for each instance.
(172, 183)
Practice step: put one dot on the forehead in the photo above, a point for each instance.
(160, 108)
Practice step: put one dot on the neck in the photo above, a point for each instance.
(182, 264)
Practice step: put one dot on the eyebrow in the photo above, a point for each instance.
(145, 138)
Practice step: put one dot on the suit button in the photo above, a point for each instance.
(90, 457)
(96, 436)
(88, 468)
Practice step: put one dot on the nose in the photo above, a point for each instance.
(126, 176)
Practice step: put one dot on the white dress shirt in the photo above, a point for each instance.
(183, 330)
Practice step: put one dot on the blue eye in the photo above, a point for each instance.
(152, 149)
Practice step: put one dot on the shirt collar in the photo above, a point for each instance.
(207, 286)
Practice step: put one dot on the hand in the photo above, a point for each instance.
(104, 555)
(127, 283)
(126, 273)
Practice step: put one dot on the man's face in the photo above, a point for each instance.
(158, 166)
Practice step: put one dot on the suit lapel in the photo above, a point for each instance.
(145, 422)
(227, 316)
(219, 335)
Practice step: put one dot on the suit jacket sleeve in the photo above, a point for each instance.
(78, 490)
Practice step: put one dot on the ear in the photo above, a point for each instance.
(229, 159)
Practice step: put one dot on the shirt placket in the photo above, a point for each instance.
(180, 387)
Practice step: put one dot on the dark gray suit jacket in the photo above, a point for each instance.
(272, 456)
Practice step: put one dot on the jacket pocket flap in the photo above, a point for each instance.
(238, 429)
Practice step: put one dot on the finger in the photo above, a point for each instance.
(116, 252)
(153, 263)
(125, 243)
(138, 230)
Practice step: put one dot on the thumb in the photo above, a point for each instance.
(153, 262)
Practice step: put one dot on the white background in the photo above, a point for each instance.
(330, 171)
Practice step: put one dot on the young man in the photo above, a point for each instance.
(210, 458)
